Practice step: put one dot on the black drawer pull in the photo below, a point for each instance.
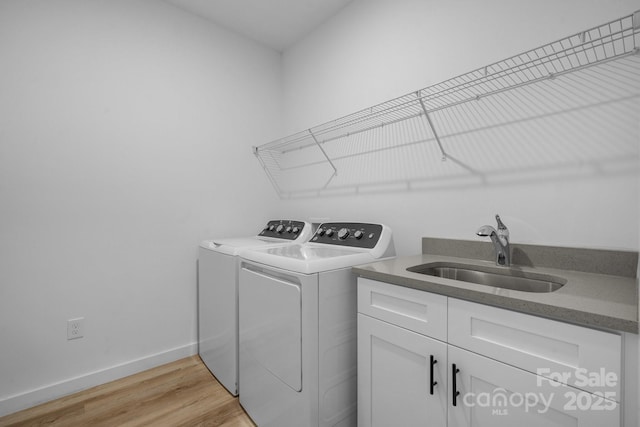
(433, 383)
(456, 393)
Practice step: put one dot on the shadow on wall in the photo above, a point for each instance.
(565, 126)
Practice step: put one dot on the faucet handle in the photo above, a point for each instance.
(503, 231)
(501, 225)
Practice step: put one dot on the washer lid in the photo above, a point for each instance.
(308, 258)
(276, 232)
(232, 245)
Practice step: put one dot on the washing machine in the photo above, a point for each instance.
(218, 294)
(298, 326)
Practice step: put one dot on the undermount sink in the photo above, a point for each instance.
(499, 277)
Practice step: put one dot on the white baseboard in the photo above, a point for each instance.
(49, 392)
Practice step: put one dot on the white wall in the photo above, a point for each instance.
(125, 135)
(376, 50)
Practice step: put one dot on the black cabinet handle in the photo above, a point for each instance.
(456, 393)
(432, 383)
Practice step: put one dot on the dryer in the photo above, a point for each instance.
(218, 294)
(298, 326)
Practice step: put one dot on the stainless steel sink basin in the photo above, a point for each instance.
(506, 278)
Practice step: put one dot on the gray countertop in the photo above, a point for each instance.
(589, 299)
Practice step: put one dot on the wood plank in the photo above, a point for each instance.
(179, 393)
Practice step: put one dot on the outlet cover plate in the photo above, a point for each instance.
(75, 328)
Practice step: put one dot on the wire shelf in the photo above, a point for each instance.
(593, 67)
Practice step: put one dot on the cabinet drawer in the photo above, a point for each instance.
(584, 358)
(418, 311)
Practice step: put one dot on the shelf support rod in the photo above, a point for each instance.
(335, 171)
(256, 152)
(433, 128)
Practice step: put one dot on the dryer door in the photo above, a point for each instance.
(271, 325)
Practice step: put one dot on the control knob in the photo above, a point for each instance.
(289, 229)
(280, 229)
(358, 234)
(272, 227)
(343, 233)
(320, 232)
(329, 232)
(295, 230)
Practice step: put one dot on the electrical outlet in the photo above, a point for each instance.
(75, 328)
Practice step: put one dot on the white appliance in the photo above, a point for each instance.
(298, 326)
(218, 294)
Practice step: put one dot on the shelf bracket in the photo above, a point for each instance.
(335, 171)
(432, 127)
(256, 152)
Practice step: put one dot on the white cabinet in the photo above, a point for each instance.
(485, 366)
(402, 376)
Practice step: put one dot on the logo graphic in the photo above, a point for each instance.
(500, 400)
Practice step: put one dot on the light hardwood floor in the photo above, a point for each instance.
(182, 393)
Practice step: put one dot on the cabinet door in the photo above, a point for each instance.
(395, 374)
(492, 394)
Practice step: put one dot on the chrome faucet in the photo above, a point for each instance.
(500, 239)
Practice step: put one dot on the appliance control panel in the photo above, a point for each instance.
(283, 229)
(353, 234)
